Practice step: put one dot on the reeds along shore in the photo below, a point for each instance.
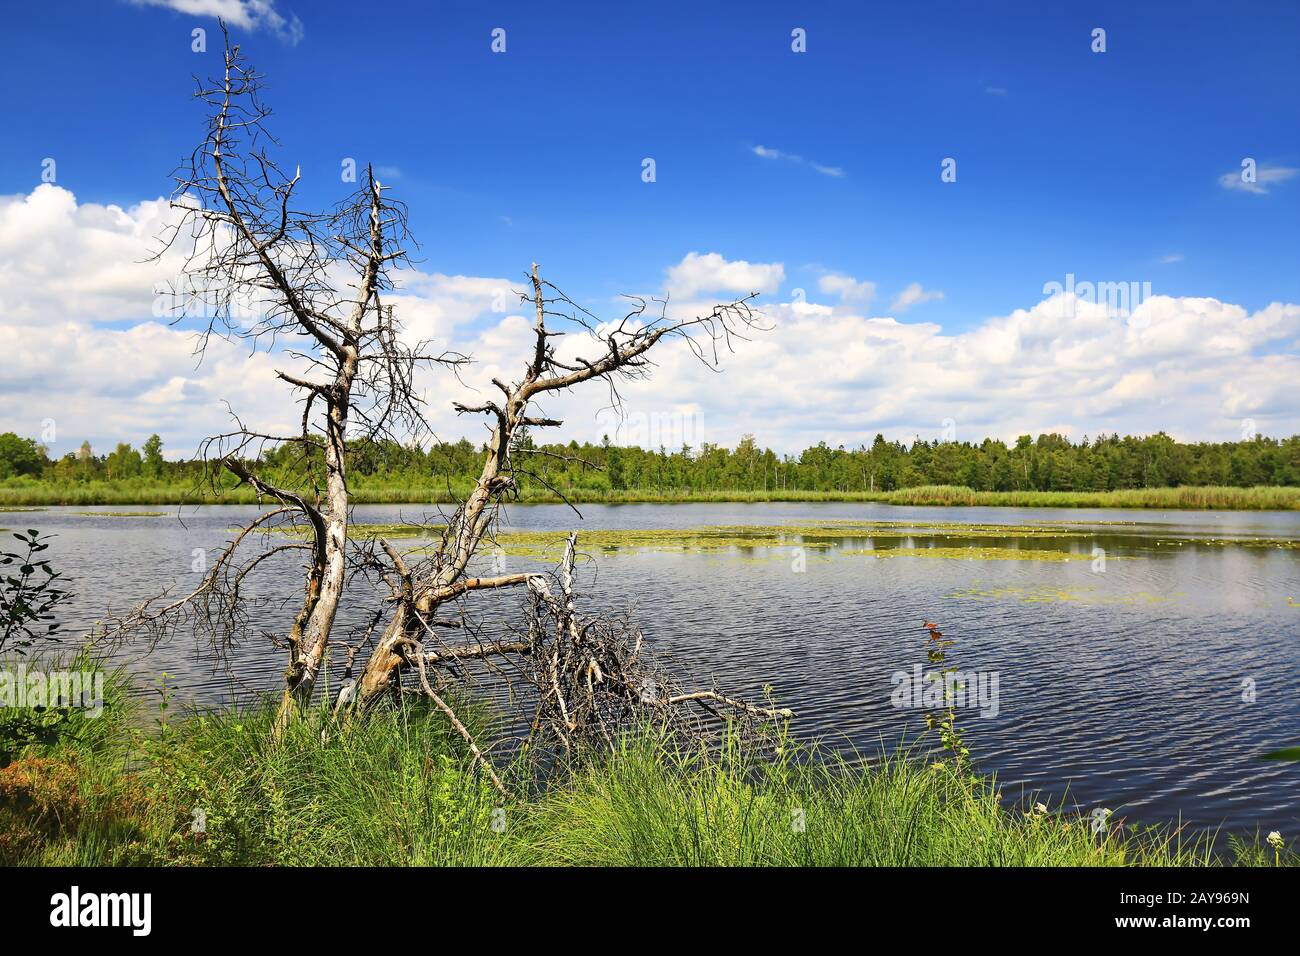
(396, 788)
(136, 492)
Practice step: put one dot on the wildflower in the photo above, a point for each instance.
(1275, 840)
(1040, 808)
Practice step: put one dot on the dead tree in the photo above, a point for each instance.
(260, 269)
(589, 677)
(265, 272)
(620, 353)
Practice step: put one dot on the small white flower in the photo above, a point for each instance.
(1040, 808)
(1275, 840)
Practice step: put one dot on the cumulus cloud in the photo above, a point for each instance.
(88, 341)
(712, 273)
(82, 346)
(850, 291)
(88, 260)
(246, 14)
(436, 307)
(913, 295)
(1192, 366)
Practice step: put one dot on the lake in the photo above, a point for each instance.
(1145, 661)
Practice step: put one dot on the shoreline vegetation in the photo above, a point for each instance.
(1154, 471)
(20, 493)
(396, 787)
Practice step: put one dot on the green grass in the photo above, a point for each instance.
(391, 790)
(651, 806)
(34, 493)
(1259, 498)
(396, 788)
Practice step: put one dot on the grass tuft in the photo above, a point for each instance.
(396, 788)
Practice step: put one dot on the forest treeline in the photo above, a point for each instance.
(1050, 462)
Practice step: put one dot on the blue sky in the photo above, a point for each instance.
(1096, 164)
(1104, 165)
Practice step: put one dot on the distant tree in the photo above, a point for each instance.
(613, 465)
(153, 457)
(20, 456)
(124, 462)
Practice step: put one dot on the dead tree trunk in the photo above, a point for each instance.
(251, 248)
(623, 347)
(259, 269)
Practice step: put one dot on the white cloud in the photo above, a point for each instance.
(1264, 176)
(1191, 366)
(712, 273)
(89, 260)
(769, 153)
(826, 371)
(1171, 258)
(849, 290)
(913, 295)
(247, 14)
(436, 307)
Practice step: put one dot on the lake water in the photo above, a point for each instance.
(1150, 683)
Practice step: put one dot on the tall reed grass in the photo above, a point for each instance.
(396, 787)
(1258, 498)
